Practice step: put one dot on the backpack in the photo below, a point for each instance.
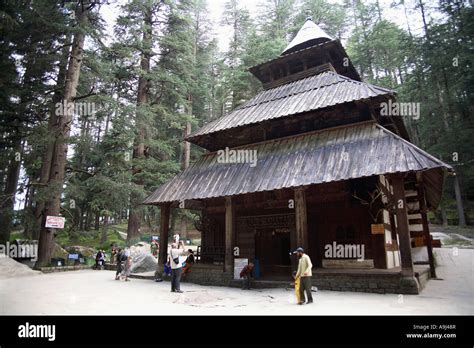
(123, 257)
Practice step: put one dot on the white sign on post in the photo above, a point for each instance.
(54, 222)
(239, 264)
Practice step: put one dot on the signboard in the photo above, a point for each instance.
(239, 264)
(73, 256)
(54, 222)
(377, 228)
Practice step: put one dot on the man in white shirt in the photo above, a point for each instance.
(176, 267)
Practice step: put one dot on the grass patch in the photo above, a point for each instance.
(90, 238)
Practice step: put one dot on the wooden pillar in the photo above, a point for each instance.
(165, 209)
(424, 220)
(301, 218)
(229, 234)
(402, 224)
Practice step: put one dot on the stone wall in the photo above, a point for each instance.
(203, 274)
(63, 268)
(357, 282)
(377, 283)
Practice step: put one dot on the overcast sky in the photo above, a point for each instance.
(216, 7)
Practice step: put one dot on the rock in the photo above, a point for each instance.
(10, 268)
(143, 262)
(79, 249)
(59, 252)
(140, 248)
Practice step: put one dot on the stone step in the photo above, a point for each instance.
(262, 284)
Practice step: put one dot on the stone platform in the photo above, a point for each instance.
(362, 280)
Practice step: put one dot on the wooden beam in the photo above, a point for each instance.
(402, 224)
(229, 234)
(165, 210)
(301, 218)
(424, 222)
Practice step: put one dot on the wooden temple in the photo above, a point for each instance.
(330, 174)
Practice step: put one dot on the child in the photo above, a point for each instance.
(297, 288)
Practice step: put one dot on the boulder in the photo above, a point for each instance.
(143, 262)
(59, 251)
(10, 268)
(79, 249)
(140, 248)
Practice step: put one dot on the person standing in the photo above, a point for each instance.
(98, 256)
(176, 267)
(119, 264)
(113, 253)
(127, 264)
(304, 273)
(247, 274)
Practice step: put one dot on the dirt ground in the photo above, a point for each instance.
(96, 292)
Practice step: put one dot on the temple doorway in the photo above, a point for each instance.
(272, 249)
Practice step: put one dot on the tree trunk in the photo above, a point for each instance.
(105, 228)
(8, 200)
(186, 147)
(81, 220)
(28, 211)
(459, 203)
(134, 219)
(97, 221)
(87, 225)
(61, 132)
(77, 218)
(47, 156)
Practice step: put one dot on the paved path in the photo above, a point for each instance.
(96, 292)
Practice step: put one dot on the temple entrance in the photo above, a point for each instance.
(272, 248)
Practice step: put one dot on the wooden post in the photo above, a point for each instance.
(165, 209)
(424, 220)
(301, 219)
(229, 234)
(294, 261)
(402, 224)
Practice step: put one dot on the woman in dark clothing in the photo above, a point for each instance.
(189, 262)
(119, 264)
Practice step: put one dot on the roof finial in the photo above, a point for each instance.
(309, 16)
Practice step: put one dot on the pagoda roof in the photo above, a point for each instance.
(309, 35)
(341, 153)
(307, 94)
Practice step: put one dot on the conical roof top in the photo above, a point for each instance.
(309, 35)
